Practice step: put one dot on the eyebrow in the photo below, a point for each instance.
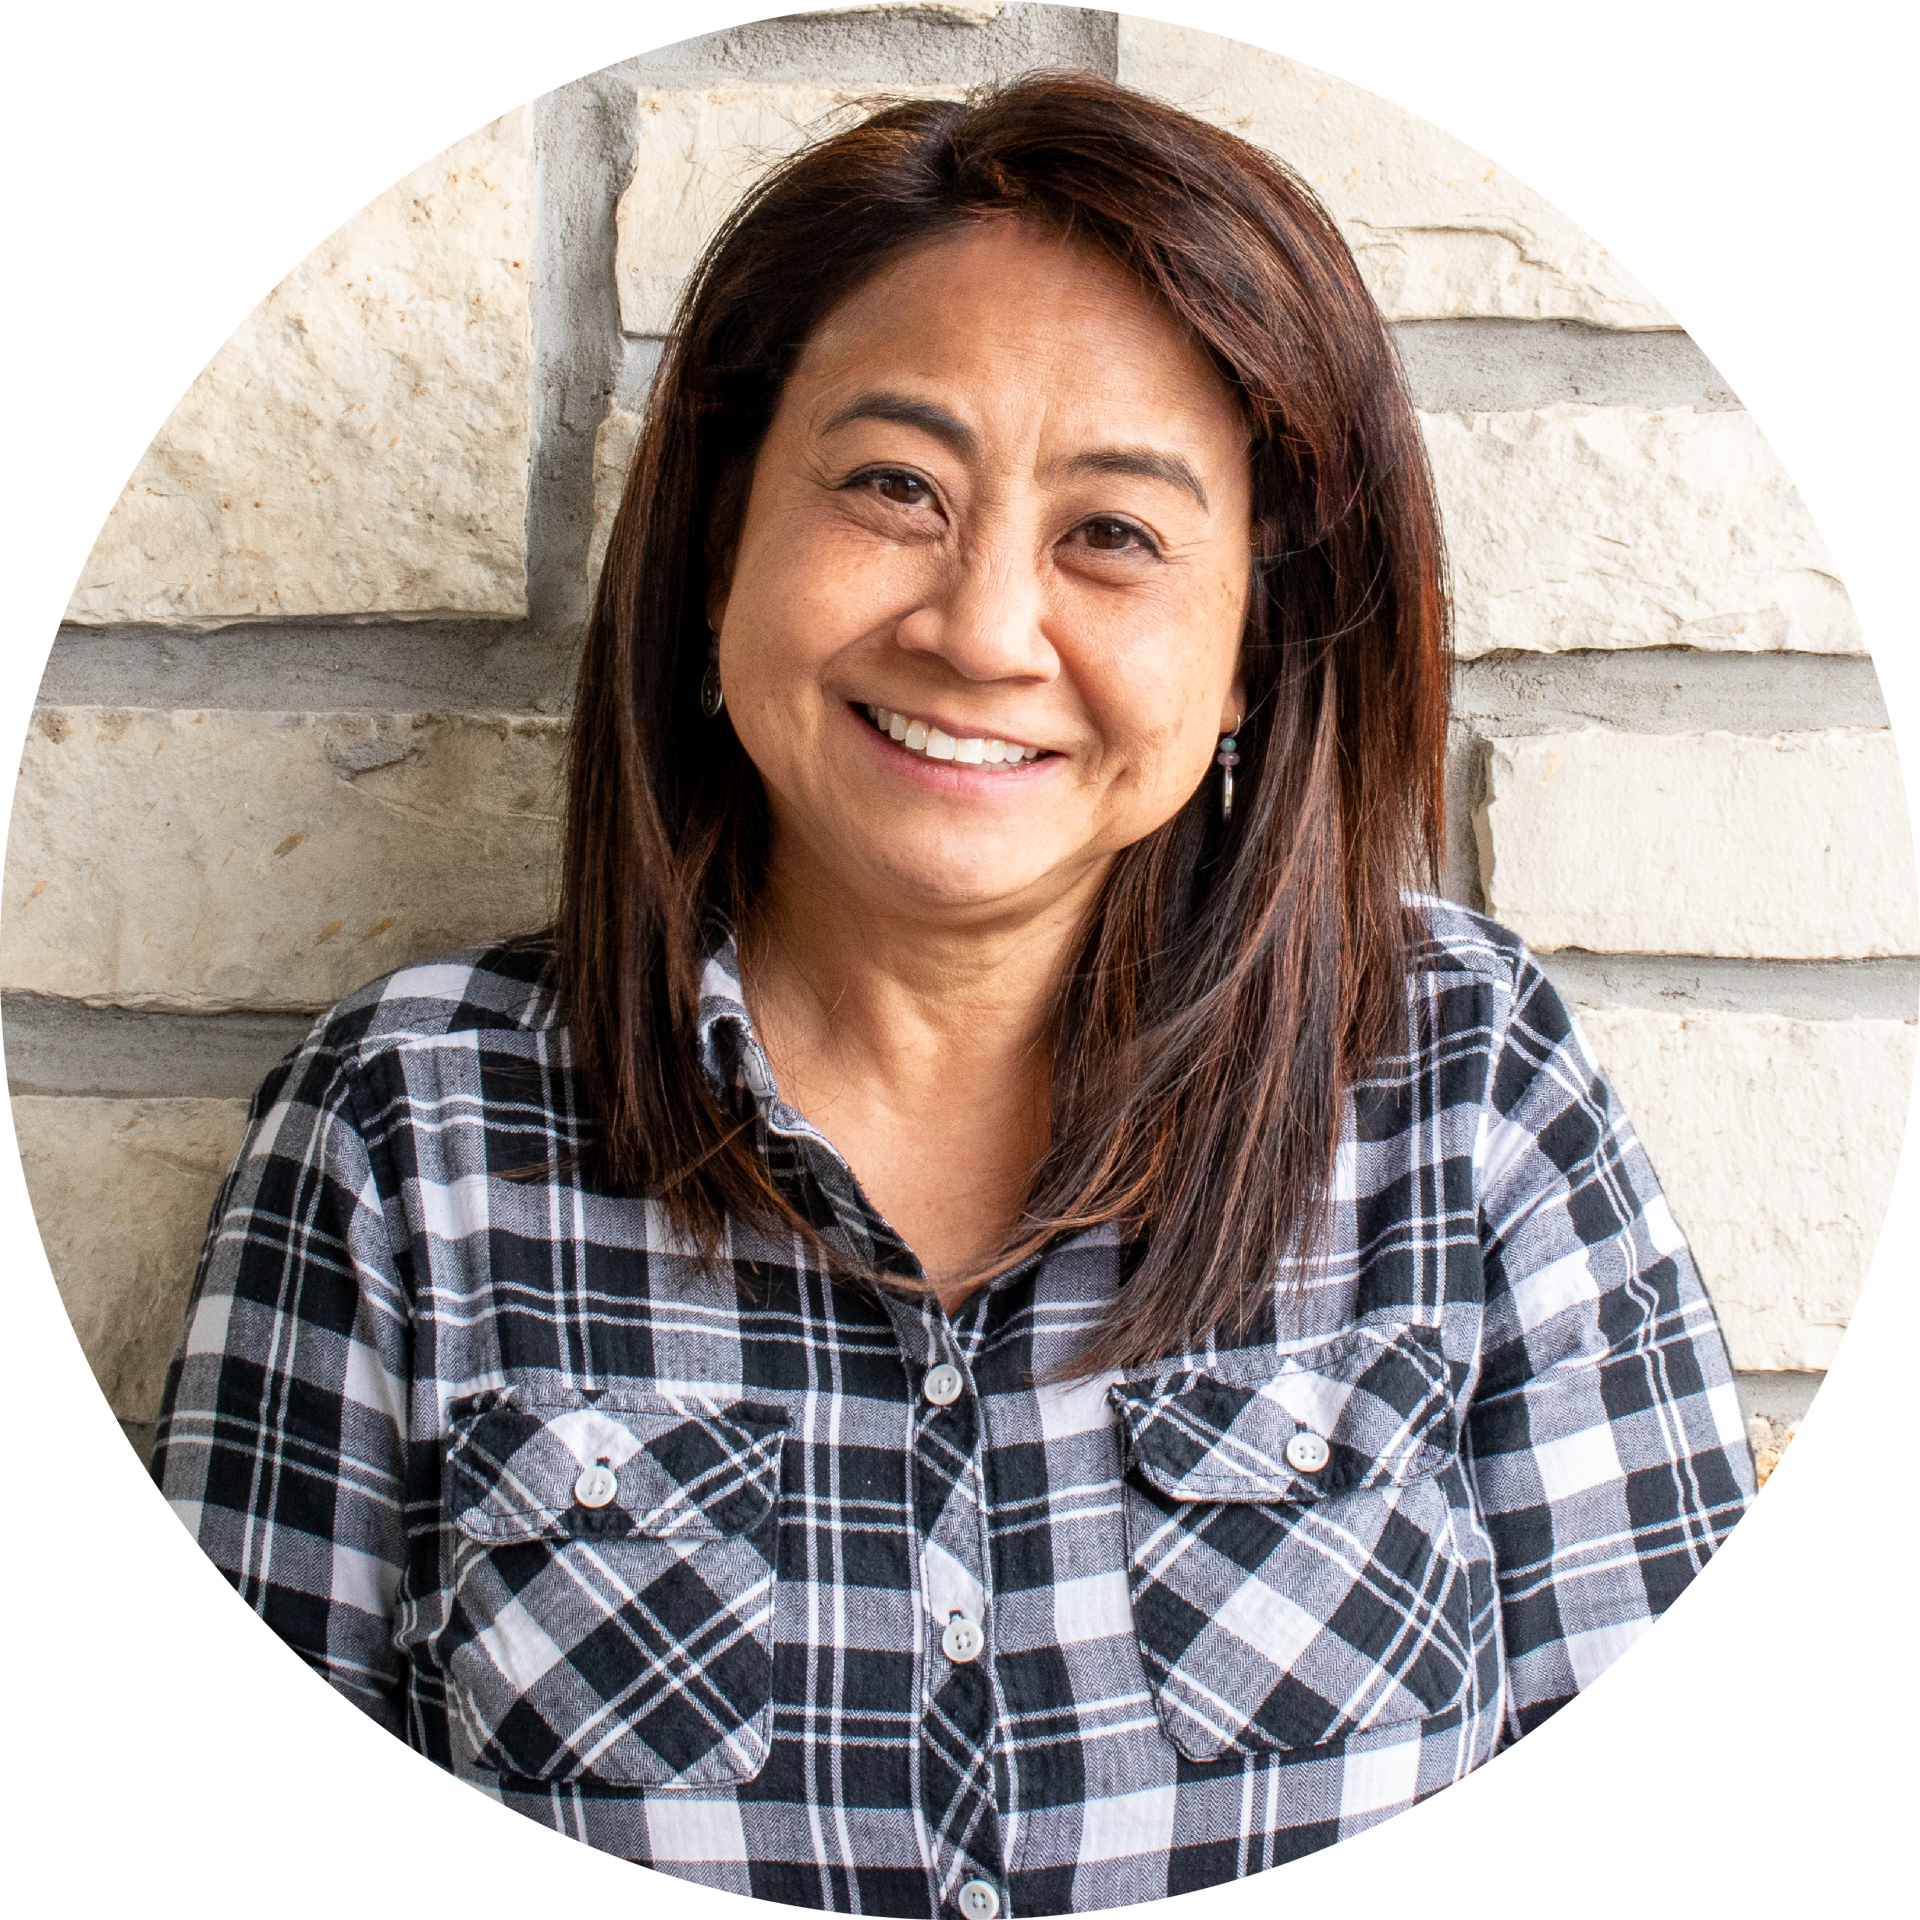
(1147, 463)
(904, 412)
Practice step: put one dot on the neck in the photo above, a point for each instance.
(917, 1043)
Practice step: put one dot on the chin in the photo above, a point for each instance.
(961, 892)
(959, 886)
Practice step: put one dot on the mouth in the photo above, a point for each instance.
(928, 742)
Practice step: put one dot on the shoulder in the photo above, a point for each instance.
(311, 1108)
(501, 989)
(1453, 939)
(1506, 990)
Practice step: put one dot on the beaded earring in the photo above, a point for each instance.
(1226, 760)
(712, 697)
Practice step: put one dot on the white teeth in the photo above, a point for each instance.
(973, 751)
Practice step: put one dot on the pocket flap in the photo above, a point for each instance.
(513, 1468)
(1378, 1396)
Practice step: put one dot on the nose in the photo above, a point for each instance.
(985, 618)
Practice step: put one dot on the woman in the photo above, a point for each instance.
(998, 1320)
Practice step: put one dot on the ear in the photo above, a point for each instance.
(1235, 710)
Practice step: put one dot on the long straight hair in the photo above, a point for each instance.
(1232, 980)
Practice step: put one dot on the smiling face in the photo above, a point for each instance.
(980, 625)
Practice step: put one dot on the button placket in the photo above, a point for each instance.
(957, 1764)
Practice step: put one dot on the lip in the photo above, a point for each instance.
(943, 776)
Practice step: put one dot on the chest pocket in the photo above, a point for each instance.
(611, 1613)
(1290, 1548)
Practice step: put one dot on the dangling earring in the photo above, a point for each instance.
(712, 698)
(1226, 760)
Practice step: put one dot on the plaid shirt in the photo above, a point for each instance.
(815, 1593)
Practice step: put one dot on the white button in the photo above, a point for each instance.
(596, 1486)
(962, 1642)
(943, 1384)
(1308, 1453)
(980, 1900)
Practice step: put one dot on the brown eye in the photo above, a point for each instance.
(1110, 536)
(903, 489)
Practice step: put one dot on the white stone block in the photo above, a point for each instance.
(1576, 526)
(1776, 1141)
(360, 444)
(1790, 845)
(696, 153)
(121, 1190)
(613, 447)
(1440, 232)
(274, 860)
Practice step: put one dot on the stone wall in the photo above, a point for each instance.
(303, 721)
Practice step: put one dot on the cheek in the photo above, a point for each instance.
(787, 616)
(1162, 689)
(1158, 746)
(810, 583)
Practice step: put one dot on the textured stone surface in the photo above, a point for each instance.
(121, 1191)
(1667, 690)
(1782, 1399)
(696, 152)
(958, 13)
(1776, 1141)
(888, 46)
(1789, 845)
(613, 449)
(1768, 1439)
(1583, 527)
(1492, 366)
(209, 860)
(360, 444)
(1439, 231)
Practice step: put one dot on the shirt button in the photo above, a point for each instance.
(943, 1383)
(596, 1486)
(1308, 1453)
(962, 1642)
(980, 1900)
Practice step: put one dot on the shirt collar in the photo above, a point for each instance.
(730, 1052)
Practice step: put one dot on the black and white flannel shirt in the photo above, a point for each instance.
(818, 1594)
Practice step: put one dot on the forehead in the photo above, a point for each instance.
(1005, 314)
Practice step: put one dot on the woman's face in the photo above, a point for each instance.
(1005, 498)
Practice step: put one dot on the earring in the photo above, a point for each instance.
(1226, 760)
(712, 698)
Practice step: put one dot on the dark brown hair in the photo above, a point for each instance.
(1232, 982)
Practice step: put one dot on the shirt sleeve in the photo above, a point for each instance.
(1604, 1435)
(281, 1441)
